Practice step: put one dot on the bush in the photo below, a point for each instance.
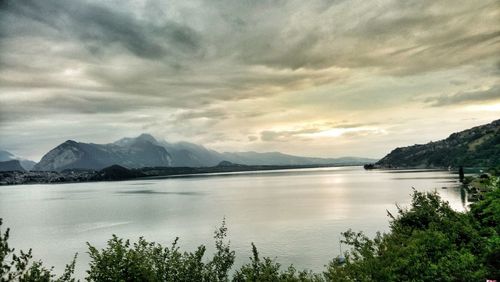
(268, 269)
(427, 242)
(149, 261)
(19, 267)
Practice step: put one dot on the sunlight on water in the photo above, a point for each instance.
(295, 215)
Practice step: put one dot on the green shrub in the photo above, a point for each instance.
(19, 267)
(429, 241)
(149, 261)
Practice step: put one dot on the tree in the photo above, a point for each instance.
(19, 267)
(149, 261)
(427, 242)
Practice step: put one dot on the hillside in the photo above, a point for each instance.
(12, 165)
(475, 147)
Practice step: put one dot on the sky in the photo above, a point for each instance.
(311, 78)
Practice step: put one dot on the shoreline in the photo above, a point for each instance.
(12, 178)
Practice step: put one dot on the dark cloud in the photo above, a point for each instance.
(98, 27)
(398, 38)
(478, 96)
(199, 67)
(212, 51)
(62, 102)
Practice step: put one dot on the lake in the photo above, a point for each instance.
(294, 215)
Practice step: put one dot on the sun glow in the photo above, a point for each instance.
(484, 108)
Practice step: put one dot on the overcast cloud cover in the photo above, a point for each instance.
(315, 78)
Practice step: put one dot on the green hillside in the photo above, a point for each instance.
(475, 147)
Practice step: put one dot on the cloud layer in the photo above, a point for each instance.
(246, 75)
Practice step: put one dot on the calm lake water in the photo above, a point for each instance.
(294, 215)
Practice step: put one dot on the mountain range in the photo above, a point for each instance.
(475, 147)
(8, 157)
(147, 151)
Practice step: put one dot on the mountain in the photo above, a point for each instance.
(7, 156)
(27, 164)
(277, 158)
(475, 147)
(133, 153)
(194, 155)
(146, 151)
(12, 165)
(182, 153)
(191, 155)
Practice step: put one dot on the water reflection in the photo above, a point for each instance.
(295, 215)
(149, 192)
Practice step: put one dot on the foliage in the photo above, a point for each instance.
(475, 147)
(268, 269)
(149, 261)
(428, 241)
(19, 267)
(495, 171)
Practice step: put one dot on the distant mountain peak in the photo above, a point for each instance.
(70, 142)
(146, 137)
(137, 152)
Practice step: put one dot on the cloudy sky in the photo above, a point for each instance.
(315, 78)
